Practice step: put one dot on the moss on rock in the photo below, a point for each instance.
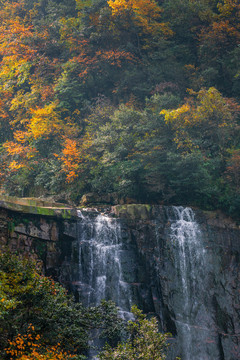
(37, 207)
(134, 211)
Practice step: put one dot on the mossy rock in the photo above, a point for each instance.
(37, 207)
(134, 211)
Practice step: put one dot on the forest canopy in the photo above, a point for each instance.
(134, 98)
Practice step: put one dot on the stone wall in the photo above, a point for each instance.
(42, 236)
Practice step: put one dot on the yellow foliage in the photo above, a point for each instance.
(144, 13)
(172, 115)
(44, 122)
(229, 8)
(147, 8)
(14, 165)
(209, 107)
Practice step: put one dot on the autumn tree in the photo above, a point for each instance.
(219, 43)
(210, 115)
(142, 17)
(39, 320)
(31, 116)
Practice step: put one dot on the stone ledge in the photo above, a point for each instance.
(133, 211)
(37, 207)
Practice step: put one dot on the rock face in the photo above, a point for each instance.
(180, 264)
(191, 261)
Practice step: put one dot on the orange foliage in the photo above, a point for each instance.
(224, 32)
(20, 136)
(74, 155)
(14, 148)
(221, 34)
(71, 159)
(22, 62)
(29, 347)
(89, 62)
(115, 57)
(18, 151)
(16, 34)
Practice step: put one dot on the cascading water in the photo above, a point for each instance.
(191, 275)
(100, 272)
(99, 275)
(107, 261)
(186, 235)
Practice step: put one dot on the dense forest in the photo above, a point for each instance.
(138, 98)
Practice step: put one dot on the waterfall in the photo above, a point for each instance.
(107, 260)
(191, 276)
(100, 274)
(186, 236)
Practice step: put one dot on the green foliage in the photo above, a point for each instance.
(145, 341)
(28, 298)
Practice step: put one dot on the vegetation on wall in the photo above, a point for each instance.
(137, 98)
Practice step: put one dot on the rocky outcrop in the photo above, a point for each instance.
(213, 322)
(203, 316)
(37, 207)
(36, 227)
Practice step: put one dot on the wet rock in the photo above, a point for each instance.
(148, 255)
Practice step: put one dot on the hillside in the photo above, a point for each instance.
(135, 98)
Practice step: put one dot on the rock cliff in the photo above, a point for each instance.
(180, 264)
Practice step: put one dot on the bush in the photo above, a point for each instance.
(31, 301)
(145, 341)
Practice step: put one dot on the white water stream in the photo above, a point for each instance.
(100, 274)
(100, 270)
(190, 264)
